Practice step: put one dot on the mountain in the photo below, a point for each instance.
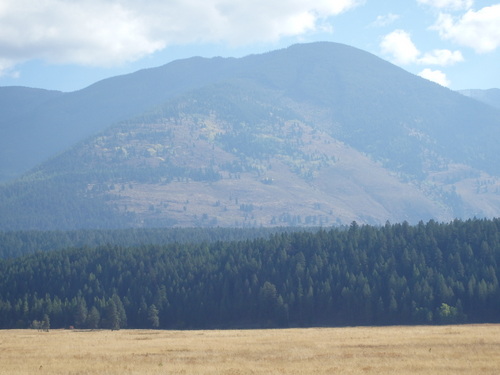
(490, 96)
(315, 134)
(15, 102)
(39, 124)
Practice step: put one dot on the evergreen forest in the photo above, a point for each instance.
(428, 273)
(13, 244)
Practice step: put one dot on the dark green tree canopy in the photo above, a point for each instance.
(430, 273)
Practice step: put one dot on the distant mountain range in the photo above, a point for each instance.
(491, 96)
(315, 134)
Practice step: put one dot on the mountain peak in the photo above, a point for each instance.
(314, 134)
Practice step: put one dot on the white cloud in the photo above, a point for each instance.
(448, 4)
(401, 50)
(385, 20)
(5, 65)
(106, 33)
(436, 76)
(442, 57)
(399, 45)
(479, 30)
(89, 33)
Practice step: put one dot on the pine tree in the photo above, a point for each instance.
(122, 315)
(81, 313)
(153, 317)
(112, 315)
(93, 318)
(46, 323)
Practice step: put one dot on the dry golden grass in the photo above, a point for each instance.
(468, 349)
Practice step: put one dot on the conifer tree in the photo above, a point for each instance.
(93, 318)
(112, 315)
(46, 323)
(153, 317)
(81, 313)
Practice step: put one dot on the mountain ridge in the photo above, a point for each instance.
(314, 134)
(489, 96)
(46, 132)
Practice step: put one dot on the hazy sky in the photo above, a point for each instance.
(70, 44)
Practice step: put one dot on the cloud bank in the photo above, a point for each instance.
(385, 20)
(441, 57)
(108, 33)
(448, 4)
(436, 76)
(399, 46)
(479, 30)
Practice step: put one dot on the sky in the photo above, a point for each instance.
(68, 45)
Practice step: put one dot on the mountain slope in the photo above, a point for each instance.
(314, 134)
(15, 102)
(368, 101)
(42, 131)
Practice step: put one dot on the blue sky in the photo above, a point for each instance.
(69, 44)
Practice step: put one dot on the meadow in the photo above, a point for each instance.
(461, 349)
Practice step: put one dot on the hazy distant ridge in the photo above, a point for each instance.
(490, 96)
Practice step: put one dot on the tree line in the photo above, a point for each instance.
(17, 243)
(429, 273)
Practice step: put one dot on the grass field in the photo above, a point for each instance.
(467, 349)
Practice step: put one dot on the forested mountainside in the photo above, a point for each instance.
(312, 135)
(395, 274)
